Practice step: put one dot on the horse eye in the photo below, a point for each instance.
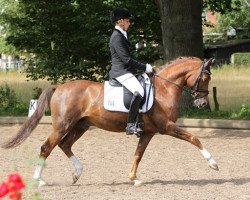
(194, 94)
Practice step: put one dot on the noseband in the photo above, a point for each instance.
(195, 90)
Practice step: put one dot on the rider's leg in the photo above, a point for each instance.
(133, 85)
(140, 123)
(132, 127)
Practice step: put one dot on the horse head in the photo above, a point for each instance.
(190, 72)
(199, 83)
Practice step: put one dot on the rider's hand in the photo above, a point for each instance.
(149, 68)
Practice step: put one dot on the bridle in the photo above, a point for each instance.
(195, 91)
(196, 88)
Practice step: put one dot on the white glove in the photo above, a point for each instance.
(149, 68)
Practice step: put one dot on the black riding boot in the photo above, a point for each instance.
(132, 127)
(140, 123)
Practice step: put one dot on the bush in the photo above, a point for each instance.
(9, 103)
(8, 98)
(243, 113)
(240, 58)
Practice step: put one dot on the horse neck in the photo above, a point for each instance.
(168, 94)
(178, 72)
(174, 75)
(168, 91)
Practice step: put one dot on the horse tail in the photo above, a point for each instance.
(31, 123)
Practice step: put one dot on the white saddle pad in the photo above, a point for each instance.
(113, 97)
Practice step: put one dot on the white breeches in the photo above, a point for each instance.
(131, 83)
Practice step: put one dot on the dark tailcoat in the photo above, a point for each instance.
(122, 60)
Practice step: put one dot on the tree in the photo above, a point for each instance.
(4, 47)
(61, 37)
(181, 28)
(69, 39)
(181, 24)
(222, 6)
(238, 18)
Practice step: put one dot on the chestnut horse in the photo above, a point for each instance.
(77, 105)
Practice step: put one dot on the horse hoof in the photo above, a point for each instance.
(138, 183)
(75, 178)
(213, 165)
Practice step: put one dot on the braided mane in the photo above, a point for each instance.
(175, 62)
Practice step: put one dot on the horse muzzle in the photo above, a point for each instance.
(201, 102)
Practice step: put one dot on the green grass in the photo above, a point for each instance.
(23, 90)
(233, 87)
(18, 82)
(242, 113)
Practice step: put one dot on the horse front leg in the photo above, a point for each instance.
(175, 131)
(141, 147)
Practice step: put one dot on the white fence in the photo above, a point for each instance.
(8, 62)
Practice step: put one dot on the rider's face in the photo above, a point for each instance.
(124, 24)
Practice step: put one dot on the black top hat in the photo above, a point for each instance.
(120, 13)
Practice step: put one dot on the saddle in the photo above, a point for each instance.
(118, 98)
(127, 94)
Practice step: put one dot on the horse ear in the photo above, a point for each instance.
(208, 63)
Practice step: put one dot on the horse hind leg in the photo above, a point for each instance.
(66, 145)
(60, 129)
(180, 133)
(46, 149)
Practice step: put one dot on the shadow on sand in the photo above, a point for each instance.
(200, 182)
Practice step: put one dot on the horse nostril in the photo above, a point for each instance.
(204, 104)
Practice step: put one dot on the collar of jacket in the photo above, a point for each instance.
(122, 36)
(122, 31)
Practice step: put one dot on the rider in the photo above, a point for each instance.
(125, 67)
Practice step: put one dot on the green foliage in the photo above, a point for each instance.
(35, 95)
(61, 35)
(243, 113)
(206, 114)
(8, 97)
(66, 40)
(237, 18)
(240, 58)
(5, 48)
(222, 6)
(9, 103)
(146, 29)
(69, 39)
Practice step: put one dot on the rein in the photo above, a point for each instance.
(178, 86)
(193, 90)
